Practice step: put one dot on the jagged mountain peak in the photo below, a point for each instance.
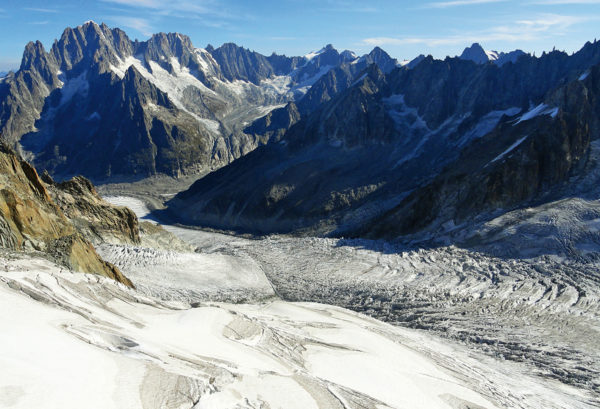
(90, 45)
(164, 46)
(378, 53)
(33, 52)
(171, 38)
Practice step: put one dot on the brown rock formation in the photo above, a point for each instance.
(96, 219)
(30, 220)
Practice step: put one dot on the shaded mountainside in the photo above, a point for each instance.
(398, 153)
(31, 221)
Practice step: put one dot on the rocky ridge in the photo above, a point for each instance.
(31, 221)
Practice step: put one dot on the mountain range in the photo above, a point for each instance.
(102, 105)
(327, 143)
(419, 150)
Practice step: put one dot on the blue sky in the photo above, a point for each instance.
(295, 27)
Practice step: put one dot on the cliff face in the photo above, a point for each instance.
(30, 220)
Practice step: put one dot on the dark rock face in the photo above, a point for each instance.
(511, 56)
(380, 58)
(88, 46)
(399, 153)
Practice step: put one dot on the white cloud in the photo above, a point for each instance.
(565, 2)
(548, 22)
(169, 7)
(204, 12)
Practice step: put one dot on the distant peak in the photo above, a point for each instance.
(348, 55)
(323, 50)
(378, 51)
(475, 46)
(475, 53)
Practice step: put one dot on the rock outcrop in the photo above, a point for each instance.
(96, 219)
(31, 221)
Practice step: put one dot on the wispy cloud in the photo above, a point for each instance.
(136, 3)
(455, 3)
(521, 31)
(40, 10)
(348, 6)
(39, 23)
(137, 23)
(546, 22)
(173, 6)
(565, 2)
(208, 13)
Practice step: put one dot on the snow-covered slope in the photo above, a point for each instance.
(72, 339)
